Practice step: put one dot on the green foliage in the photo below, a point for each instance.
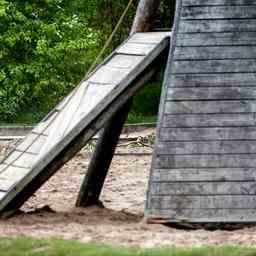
(46, 46)
(44, 50)
(27, 246)
(138, 118)
(146, 101)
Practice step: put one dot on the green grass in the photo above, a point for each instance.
(54, 247)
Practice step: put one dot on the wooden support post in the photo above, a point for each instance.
(106, 145)
(101, 159)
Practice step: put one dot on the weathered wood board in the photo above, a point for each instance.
(204, 175)
(82, 113)
(204, 167)
(218, 2)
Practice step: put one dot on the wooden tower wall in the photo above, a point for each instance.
(204, 161)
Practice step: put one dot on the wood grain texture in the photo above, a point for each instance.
(208, 133)
(206, 147)
(214, 66)
(203, 215)
(32, 144)
(218, 12)
(20, 159)
(210, 106)
(135, 49)
(216, 39)
(108, 75)
(151, 37)
(204, 202)
(206, 26)
(217, 2)
(215, 52)
(11, 177)
(209, 120)
(204, 174)
(232, 93)
(214, 80)
(202, 188)
(206, 160)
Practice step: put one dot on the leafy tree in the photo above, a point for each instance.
(45, 48)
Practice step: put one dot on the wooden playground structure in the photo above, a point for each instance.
(204, 160)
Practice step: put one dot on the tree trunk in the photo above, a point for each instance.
(145, 15)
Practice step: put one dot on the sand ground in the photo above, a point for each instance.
(51, 212)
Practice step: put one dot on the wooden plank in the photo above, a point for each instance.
(95, 94)
(210, 107)
(214, 80)
(206, 161)
(206, 147)
(169, 188)
(216, 39)
(33, 143)
(46, 122)
(203, 202)
(218, 12)
(203, 215)
(207, 26)
(215, 52)
(217, 2)
(65, 101)
(224, 93)
(58, 128)
(11, 176)
(108, 75)
(209, 120)
(24, 160)
(206, 134)
(204, 174)
(148, 37)
(121, 61)
(11, 157)
(135, 49)
(214, 66)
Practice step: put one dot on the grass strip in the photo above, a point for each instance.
(23, 246)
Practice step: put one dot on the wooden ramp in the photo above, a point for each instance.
(77, 118)
(204, 164)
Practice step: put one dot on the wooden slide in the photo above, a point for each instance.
(77, 118)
